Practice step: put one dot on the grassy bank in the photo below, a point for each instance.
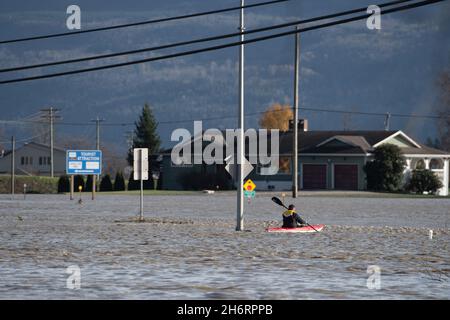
(34, 184)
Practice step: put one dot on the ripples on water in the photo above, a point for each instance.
(188, 249)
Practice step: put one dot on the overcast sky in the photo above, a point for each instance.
(345, 67)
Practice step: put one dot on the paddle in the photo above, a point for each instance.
(280, 203)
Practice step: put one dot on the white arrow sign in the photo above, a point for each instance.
(232, 168)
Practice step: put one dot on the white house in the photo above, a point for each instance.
(34, 159)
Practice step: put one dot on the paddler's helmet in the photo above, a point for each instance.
(291, 207)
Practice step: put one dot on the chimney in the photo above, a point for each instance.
(302, 125)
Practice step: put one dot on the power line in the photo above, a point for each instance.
(124, 124)
(25, 139)
(200, 40)
(223, 46)
(134, 24)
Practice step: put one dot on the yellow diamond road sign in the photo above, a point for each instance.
(249, 185)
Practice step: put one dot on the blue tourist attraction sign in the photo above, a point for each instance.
(84, 162)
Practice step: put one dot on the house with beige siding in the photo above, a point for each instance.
(327, 160)
(34, 159)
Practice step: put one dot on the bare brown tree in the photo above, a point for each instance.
(277, 116)
(41, 132)
(113, 158)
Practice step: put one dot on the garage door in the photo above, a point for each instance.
(314, 176)
(346, 176)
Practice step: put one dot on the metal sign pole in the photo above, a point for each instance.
(141, 217)
(241, 148)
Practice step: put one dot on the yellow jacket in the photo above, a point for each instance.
(288, 213)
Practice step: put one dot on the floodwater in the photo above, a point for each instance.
(188, 249)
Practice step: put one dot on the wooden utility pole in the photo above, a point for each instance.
(51, 117)
(72, 186)
(94, 177)
(13, 164)
(295, 128)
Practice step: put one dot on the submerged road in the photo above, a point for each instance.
(188, 249)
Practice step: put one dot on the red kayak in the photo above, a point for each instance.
(318, 227)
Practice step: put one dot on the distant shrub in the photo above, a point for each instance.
(133, 184)
(106, 184)
(136, 184)
(119, 182)
(424, 181)
(88, 186)
(199, 181)
(63, 184)
(79, 181)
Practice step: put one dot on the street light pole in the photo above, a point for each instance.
(241, 146)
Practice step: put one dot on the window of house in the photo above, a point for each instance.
(436, 164)
(40, 161)
(22, 160)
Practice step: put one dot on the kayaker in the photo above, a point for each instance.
(291, 219)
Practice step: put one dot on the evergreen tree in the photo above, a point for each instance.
(106, 184)
(78, 181)
(385, 172)
(119, 182)
(63, 184)
(133, 184)
(145, 134)
(88, 187)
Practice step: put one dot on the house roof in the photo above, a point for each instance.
(35, 144)
(353, 142)
(345, 142)
(44, 146)
(424, 150)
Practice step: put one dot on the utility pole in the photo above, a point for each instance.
(295, 129)
(141, 202)
(51, 116)
(97, 121)
(387, 121)
(13, 165)
(240, 143)
(94, 184)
